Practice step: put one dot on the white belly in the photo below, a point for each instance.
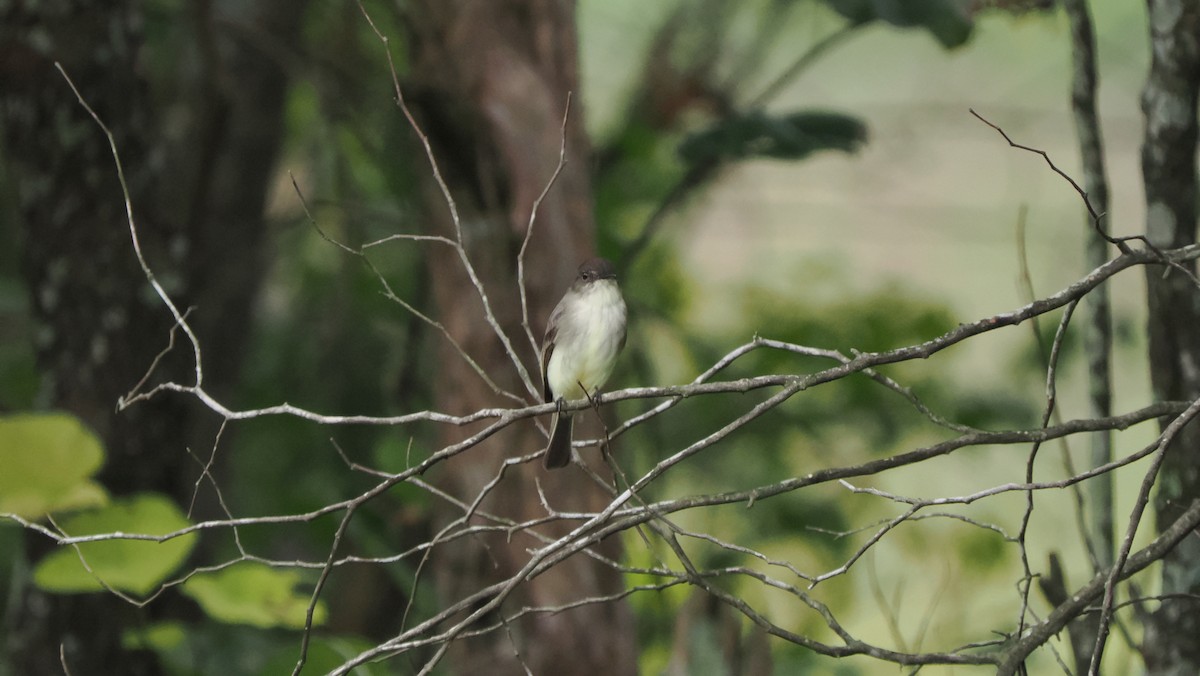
(588, 340)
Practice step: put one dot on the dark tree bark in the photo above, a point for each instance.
(1098, 331)
(490, 82)
(1172, 642)
(1098, 327)
(197, 200)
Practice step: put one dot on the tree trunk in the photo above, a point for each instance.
(1172, 642)
(1097, 337)
(490, 82)
(198, 203)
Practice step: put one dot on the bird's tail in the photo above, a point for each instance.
(558, 451)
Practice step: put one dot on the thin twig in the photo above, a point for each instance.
(459, 241)
(1135, 519)
(537, 203)
(180, 318)
(1119, 242)
(391, 295)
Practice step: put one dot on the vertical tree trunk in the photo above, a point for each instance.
(86, 287)
(198, 204)
(1172, 642)
(490, 82)
(1098, 317)
(1098, 332)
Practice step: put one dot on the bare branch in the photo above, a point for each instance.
(537, 203)
(459, 245)
(180, 318)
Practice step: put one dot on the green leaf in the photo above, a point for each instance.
(161, 637)
(947, 20)
(788, 137)
(134, 566)
(254, 594)
(46, 464)
(325, 654)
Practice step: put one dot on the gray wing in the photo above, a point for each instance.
(548, 349)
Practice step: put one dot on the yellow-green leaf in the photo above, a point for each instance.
(254, 594)
(46, 464)
(160, 637)
(134, 566)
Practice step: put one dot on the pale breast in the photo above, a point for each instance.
(590, 335)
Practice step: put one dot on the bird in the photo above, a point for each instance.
(584, 335)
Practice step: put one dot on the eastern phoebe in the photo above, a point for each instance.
(584, 335)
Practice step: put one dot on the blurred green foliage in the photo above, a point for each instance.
(212, 648)
(791, 137)
(946, 20)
